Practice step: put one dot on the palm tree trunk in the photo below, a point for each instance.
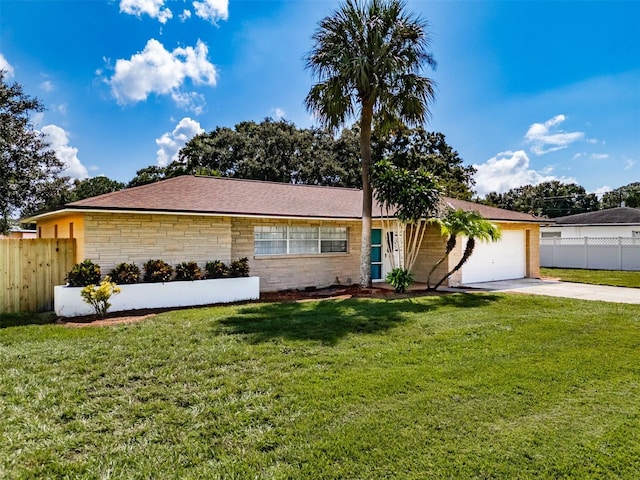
(366, 119)
(468, 250)
(451, 244)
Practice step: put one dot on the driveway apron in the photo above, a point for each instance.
(554, 288)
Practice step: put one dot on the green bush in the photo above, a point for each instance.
(188, 271)
(239, 268)
(157, 271)
(400, 279)
(125, 274)
(216, 269)
(83, 274)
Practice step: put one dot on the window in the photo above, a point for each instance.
(283, 240)
(551, 234)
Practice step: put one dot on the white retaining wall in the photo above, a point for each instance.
(69, 303)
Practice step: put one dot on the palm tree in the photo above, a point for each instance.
(367, 58)
(462, 223)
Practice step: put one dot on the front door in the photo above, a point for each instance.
(376, 254)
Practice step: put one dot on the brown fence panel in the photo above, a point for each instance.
(29, 269)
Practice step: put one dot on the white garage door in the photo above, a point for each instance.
(501, 260)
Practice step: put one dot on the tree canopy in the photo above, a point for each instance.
(548, 199)
(29, 169)
(415, 149)
(272, 151)
(627, 194)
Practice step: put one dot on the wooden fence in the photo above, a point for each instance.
(29, 269)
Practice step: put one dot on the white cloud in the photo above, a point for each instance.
(509, 170)
(6, 66)
(170, 143)
(153, 8)
(602, 190)
(59, 142)
(47, 86)
(212, 10)
(62, 108)
(545, 138)
(278, 113)
(599, 156)
(186, 14)
(189, 101)
(577, 156)
(629, 163)
(156, 70)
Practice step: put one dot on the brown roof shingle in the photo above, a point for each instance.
(226, 196)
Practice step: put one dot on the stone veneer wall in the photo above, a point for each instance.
(280, 272)
(431, 250)
(112, 238)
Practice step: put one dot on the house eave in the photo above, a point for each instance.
(66, 211)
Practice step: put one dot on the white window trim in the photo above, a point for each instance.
(288, 239)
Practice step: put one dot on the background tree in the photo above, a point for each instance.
(548, 199)
(92, 187)
(415, 148)
(273, 151)
(29, 169)
(367, 58)
(468, 224)
(629, 194)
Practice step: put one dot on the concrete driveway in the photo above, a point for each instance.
(554, 288)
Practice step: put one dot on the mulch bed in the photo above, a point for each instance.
(307, 295)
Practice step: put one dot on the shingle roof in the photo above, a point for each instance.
(226, 196)
(610, 216)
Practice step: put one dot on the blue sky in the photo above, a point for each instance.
(527, 91)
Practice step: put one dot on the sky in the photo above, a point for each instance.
(527, 91)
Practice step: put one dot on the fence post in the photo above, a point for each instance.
(586, 252)
(620, 253)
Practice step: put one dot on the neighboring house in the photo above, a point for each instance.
(606, 239)
(295, 236)
(612, 222)
(20, 233)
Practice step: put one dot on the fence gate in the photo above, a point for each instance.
(29, 269)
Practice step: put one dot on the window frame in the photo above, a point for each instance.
(295, 236)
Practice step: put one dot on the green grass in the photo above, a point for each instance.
(460, 386)
(616, 278)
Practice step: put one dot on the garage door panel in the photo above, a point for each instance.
(501, 260)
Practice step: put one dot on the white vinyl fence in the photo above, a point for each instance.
(594, 253)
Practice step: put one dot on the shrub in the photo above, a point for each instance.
(239, 268)
(98, 297)
(400, 279)
(216, 269)
(188, 271)
(83, 274)
(125, 273)
(157, 271)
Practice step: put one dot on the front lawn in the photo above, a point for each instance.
(616, 278)
(457, 386)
